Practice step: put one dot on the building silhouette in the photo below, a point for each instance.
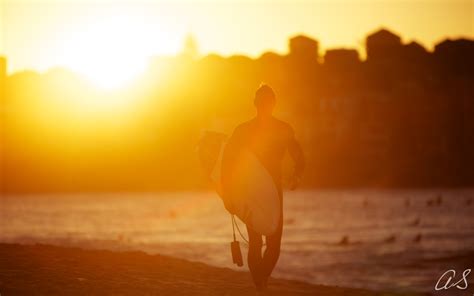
(341, 58)
(303, 48)
(402, 117)
(383, 45)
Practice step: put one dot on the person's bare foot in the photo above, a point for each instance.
(260, 288)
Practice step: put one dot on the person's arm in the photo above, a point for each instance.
(296, 153)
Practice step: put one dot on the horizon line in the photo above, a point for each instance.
(361, 51)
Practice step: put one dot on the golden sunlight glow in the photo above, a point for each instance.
(109, 41)
(111, 52)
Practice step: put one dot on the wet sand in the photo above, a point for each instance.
(51, 270)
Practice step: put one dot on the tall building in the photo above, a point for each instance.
(304, 48)
(341, 58)
(383, 45)
(455, 57)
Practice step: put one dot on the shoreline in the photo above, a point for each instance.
(52, 270)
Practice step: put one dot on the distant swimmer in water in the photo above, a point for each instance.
(415, 222)
(344, 241)
(439, 200)
(365, 203)
(417, 238)
(391, 239)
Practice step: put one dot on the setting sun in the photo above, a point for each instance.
(111, 52)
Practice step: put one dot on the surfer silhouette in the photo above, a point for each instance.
(268, 138)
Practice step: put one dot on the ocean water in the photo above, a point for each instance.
(401, 240)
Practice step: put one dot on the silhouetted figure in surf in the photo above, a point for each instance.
(417, 238)
(344, 241)
(268, 138)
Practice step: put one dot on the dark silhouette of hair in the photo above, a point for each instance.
(264, 97)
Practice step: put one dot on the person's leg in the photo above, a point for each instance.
(254, 258)
(273, 243)
(272, 251)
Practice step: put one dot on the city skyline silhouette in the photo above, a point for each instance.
(402, 117)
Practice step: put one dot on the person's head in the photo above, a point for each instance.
(264, 100)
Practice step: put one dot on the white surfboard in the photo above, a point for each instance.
(252, 193)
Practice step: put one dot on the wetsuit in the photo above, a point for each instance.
(269, 139)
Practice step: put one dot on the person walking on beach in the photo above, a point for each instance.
(269, 139)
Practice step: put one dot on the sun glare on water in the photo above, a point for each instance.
(111, 52)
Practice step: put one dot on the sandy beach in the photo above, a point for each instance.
(51, 270)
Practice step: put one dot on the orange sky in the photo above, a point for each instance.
(41, 34)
